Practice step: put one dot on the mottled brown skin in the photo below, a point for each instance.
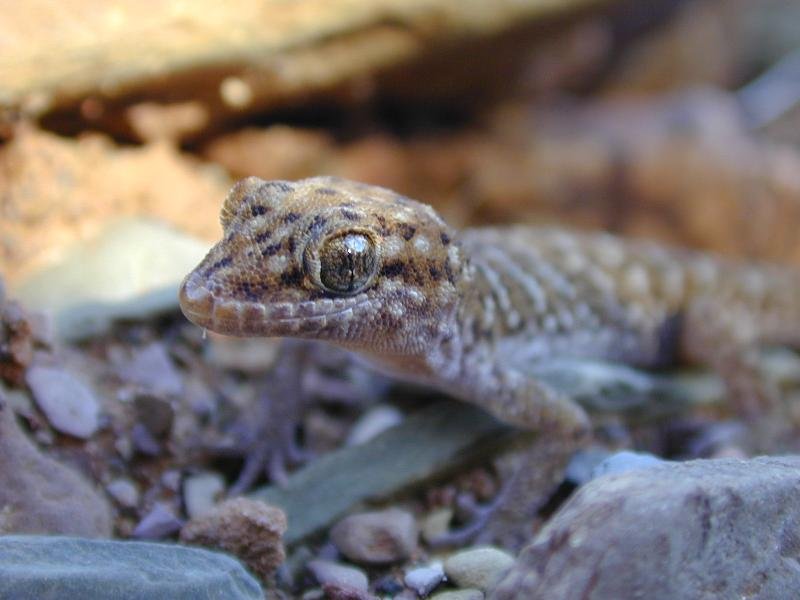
(470, 312)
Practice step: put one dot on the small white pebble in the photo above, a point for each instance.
(626, 461)
(201, 492)
(423, 580)
(124, 492)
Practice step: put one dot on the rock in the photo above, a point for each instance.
(160, 522)
(130, 270)
(374, 422)
(155, 413)
(152, 369)
(625, 461)
(423, 580)
(249, 529)
(40, 495)
(724, 528)
(201, 492)
(124, 491)
(327, 572)
(376, 537)
(70, 406)
(466, 594)
(478, 567)
(33, 567)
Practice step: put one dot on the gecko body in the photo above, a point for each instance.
(383, 275)
(471, 312)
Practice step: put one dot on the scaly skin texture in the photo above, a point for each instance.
(470, 312)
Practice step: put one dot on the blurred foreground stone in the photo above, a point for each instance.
(33, 567)
(707, 528)
(40, 495)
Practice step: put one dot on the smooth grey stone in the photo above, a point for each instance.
(131, 270)
(478, 567)
(55, 568)
(68, 403)
(722, 528)
(376, 537)
(423, 580)
(160, 522)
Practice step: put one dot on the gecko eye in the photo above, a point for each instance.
(347, 262)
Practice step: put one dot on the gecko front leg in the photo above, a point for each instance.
(533, 469)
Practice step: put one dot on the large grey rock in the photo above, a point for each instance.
(702, 529)
(40, 495)
(35, 567)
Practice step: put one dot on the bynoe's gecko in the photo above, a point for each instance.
(469, 312)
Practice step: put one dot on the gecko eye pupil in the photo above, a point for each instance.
(347, 263)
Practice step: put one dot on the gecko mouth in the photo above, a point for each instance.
(250, 319)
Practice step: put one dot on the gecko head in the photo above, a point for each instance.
(330, 259)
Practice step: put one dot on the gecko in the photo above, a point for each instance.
(469, 312)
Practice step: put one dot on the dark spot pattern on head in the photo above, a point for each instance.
(383, 230)
(223, 262)
(406, 230)
(247, 290)
(283, 186)
(349, 215)
(271, 249)
(258, 209)
(393, 269)
(291, 217)
(434, 271)
(262, 237)
(445, 239)
(449, 271)
(292, 277)
(317, 223)
(292, 244)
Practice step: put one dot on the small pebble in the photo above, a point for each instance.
(201, 492)
(423, 580)
(329, 572)
(626, 461)
(466, 594)
(124, 492)
(155, 413)
(160, 522)
(70, 406)
(478, 567)
(377, 537)
(152, 369)
(374, 422)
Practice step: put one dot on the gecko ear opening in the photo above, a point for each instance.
(246, 191)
